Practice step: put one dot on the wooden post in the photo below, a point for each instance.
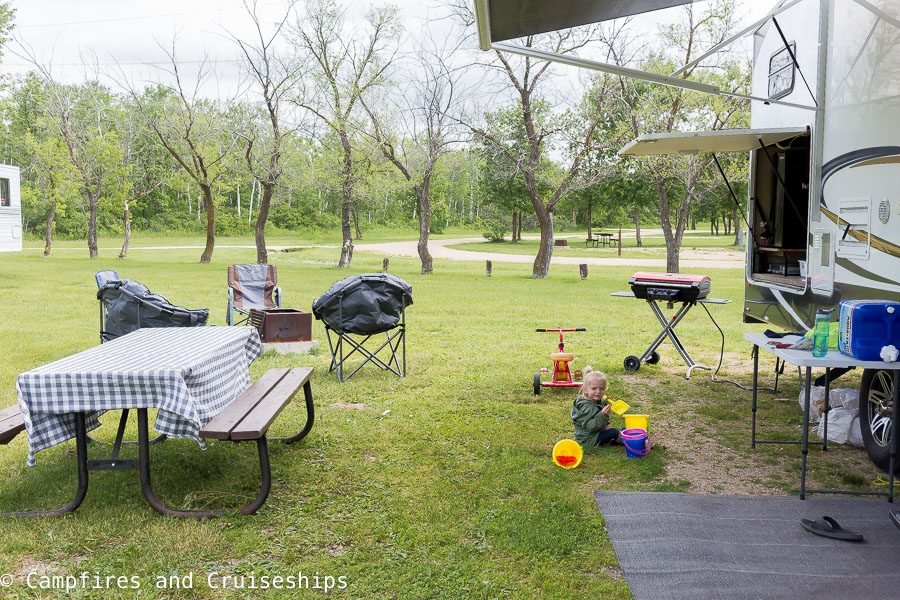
(488, 267)
(385, 264)
(582, 268)
(620, 240)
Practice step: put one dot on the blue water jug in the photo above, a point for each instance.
(820, 332)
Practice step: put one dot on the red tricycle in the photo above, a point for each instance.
(562, 376)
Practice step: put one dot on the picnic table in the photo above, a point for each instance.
(190, 374)
(601, 239)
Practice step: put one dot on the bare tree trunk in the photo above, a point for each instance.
(347, 196)
(355, 214)
(520, 225)
(206, 189)
(672, 251)
(92, 226)
(48, 235)
(262, 213)
(424, 225)
(541, 267)
(637, 227)
(126, 236)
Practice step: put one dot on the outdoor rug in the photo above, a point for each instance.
(695, 547)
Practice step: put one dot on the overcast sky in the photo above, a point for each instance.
(67, 33)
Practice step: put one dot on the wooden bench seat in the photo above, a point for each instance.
(249, 416)
(11, 423)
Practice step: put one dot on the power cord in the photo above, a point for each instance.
(722, 356)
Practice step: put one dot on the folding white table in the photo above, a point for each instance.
(833, 360)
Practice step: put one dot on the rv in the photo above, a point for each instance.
(10, 210)
(823, 210)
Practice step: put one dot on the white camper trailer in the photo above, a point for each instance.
(824, 143)
(10, 210)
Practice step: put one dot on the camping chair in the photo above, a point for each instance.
(126, 305)
(251, 286)
(359, 307)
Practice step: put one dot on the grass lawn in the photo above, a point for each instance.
(439, 485)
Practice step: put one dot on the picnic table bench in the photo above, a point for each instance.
(11, 423)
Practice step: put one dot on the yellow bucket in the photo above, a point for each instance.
(637, 422)
(567, 454)
(619, 407)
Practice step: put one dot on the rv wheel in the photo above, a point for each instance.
(654, 358)
(876, 400)
(537, 384)
(632, 363)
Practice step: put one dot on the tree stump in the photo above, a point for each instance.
(582, 268)
(385, 264)
(487, 267)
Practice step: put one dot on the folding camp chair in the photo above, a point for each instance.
(127, 305)
(362, 306)
(251, 286)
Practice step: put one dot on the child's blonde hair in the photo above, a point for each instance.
(589, 374)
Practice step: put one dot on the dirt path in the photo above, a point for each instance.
(713, 258)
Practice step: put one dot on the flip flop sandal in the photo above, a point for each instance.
(828, 527)
(895, 517)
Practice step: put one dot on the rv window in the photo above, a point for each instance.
(4, 192)
(781, 73)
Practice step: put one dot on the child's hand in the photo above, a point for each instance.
(605, 409)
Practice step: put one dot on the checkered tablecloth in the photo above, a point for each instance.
(189, 373)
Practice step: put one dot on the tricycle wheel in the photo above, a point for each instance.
(654, 358)
(632, 363)
(537, 384)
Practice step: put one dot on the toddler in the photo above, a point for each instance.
(590, 412)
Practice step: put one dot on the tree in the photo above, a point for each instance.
(649, 108)
(426, 105)
(54, 178)
(7, 16)
(524, 76)
(80, 117)
(272, 76)
(190, 130)
(347, 65)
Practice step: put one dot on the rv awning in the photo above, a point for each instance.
(694, 142)
(508, 19)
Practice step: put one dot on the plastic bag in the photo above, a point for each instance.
(816, 401)
(843, 427)
(839, 398)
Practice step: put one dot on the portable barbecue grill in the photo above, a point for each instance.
(672, 288)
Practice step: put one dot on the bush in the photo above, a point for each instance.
(495, 231)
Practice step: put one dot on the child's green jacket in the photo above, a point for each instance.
(588, 420)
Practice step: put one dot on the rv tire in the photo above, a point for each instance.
(876, 399)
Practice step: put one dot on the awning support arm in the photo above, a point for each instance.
(787, 47)
(677, 82)
(731, 191)
(731, 39)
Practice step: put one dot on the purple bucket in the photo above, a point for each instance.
(636, 443)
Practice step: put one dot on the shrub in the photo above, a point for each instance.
(495, 231)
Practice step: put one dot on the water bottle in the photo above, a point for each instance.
(820, 332)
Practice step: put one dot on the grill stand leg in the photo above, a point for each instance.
(669, 330)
